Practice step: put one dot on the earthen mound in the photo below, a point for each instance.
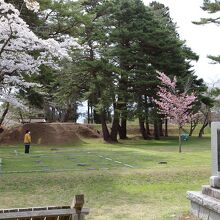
(48, 133)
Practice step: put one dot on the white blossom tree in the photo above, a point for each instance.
(22, 52)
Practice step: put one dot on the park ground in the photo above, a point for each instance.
(121, 181)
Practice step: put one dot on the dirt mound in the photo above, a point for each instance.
(48, 133)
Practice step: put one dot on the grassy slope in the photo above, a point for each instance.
(113, 191)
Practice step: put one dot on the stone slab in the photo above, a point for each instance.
(210, 191)
(203, 213)
(203, 206)
(205, 201)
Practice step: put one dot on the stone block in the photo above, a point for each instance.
(203, 213)
(210, 191)
(195, 209)
(215, 181)
(215, 126)
(214, 216)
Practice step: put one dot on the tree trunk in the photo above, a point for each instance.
(123, 129)
(205, 124)
(147, 128)
(53, 114)
(147, 115)
(114, 131)
(142, 129)
(180, 141)
(105, 131)
(161, 127)
(156, 130)
(75, 114)
(48, 112)
(69, 114)
(109, 116)
(21, 117)
(201, 131)
(122, 101)
(115, 128)
(97, 117)
(115, 124)
(123, 121)
(166, 127)
(88, 112)
(4, 113)
(91, 114)
(192, 128)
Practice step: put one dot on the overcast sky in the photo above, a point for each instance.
(203, 39)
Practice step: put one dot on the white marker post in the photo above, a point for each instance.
(215, 143)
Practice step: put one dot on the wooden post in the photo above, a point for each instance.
(77, 204)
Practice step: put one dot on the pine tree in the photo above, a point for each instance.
(213, 8)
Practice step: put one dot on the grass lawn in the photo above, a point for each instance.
(121, 181)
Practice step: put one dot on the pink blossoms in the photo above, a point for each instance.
(172, 103)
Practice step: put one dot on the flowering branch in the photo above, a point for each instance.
(18, 44)
(172, 103)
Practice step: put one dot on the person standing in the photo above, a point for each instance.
(27, 141)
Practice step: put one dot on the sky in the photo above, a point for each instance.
(202, 39)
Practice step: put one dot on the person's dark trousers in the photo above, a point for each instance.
(27, 148)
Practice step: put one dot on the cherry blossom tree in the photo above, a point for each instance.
(22, 52)
(173, 103)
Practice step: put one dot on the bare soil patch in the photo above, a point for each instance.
(48, 133)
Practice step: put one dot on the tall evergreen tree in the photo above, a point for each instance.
(134, 42)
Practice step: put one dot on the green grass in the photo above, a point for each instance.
(149, 190)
